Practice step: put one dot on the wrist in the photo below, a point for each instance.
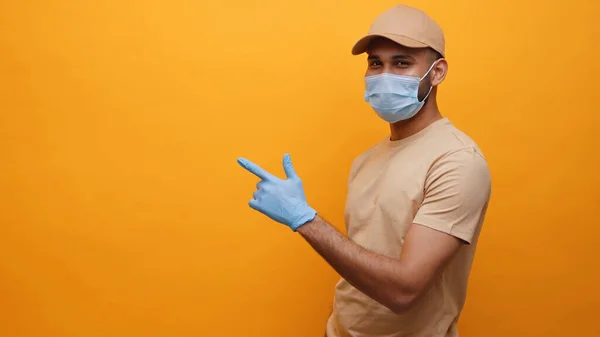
(309, 226)
(307, 216)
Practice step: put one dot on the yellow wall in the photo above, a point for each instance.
(123, 211)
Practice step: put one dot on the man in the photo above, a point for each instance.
(416, 200)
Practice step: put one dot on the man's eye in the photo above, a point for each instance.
(375, 63)
(402, 64)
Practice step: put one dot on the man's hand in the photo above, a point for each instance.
(281, 200)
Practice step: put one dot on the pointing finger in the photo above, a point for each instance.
(255, 169)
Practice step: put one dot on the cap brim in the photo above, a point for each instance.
(363, 44)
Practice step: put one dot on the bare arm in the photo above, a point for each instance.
(395, 283)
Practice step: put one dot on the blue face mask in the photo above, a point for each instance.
(394, 97)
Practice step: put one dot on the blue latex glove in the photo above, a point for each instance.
(281, 200)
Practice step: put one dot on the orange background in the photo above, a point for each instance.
(124, 213)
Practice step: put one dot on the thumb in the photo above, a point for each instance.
(288, 167)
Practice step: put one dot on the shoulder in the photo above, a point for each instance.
(456, 156)
(453, 139)
(468, 160)
(461, 175)
(450, 143)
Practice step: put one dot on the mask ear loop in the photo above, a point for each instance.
(431, 67)
(431, 86)
(429, 92)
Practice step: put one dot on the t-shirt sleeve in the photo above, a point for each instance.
(457, 191)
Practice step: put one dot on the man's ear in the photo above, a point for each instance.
(439, 71)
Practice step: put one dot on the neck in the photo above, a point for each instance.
(429, 114)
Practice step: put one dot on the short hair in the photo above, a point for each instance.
(433, 55)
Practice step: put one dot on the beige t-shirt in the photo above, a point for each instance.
(436, 178)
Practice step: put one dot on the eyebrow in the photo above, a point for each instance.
(395, 57)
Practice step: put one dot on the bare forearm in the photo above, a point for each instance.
(377, 276)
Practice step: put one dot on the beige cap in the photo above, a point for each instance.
(408, 26)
